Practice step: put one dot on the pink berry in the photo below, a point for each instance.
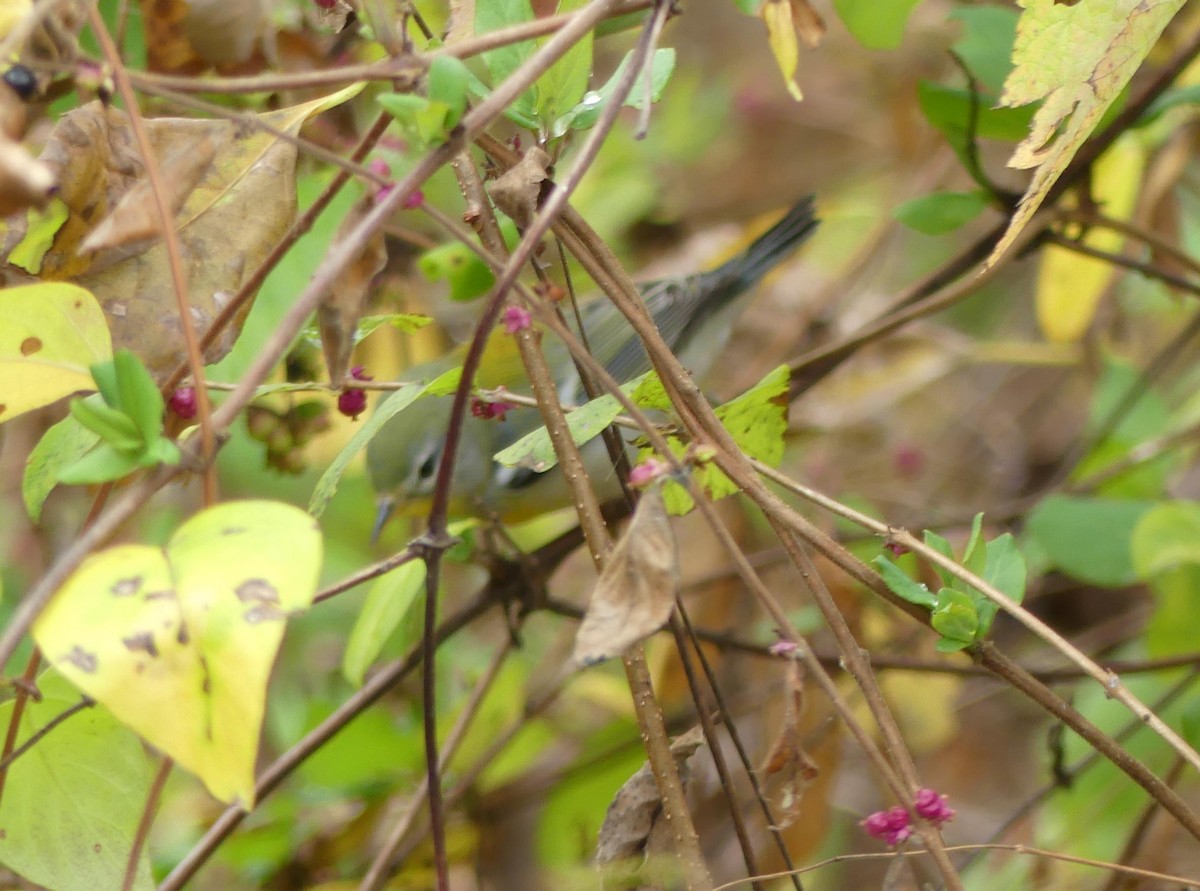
(931, 806)
(490, 411)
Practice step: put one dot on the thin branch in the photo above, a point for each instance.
(146, 821)
(84, 703)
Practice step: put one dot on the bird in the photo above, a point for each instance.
(694, 314)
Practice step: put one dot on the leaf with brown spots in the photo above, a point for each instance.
(179, 643)
(49, 334)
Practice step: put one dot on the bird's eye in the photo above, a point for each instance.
(428, 467)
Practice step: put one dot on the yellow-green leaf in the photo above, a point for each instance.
(1077, 57)
(781, 33)
(49, 334)
(178, 644)
(1070, 284)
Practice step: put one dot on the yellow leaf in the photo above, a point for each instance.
(1069, 284)
(179, 644)
(781, 32)
(1077, 58)
(49, 335)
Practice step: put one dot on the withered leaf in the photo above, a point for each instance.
(519, 191)
(136, 215)
(788, 769)
(635, 593)
(338, 314)
(629, 828)
(241, 206)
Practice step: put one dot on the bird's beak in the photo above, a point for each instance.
(387, 506)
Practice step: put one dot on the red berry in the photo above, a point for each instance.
(183, 403)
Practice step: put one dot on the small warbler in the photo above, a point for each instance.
(694, 313)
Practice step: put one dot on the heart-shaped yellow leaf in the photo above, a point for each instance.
(49, 334)
(179, 643)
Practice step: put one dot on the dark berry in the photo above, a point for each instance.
(22, 81)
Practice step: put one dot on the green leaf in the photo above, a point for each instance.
(585, 114)
(402, 106)
(448, 78)
(1005, 569)
(973, 557)
(101, 465)
(949, 110)
(139, 395)
(535, 451)
(115, 427)
(955, 617)
(1167, 536)
(179, 642)
(989, 32)
(1148, 415)
(563, 84)
(405, 322)
(40, 231)
(49, 334)
(946, 645)
(941, 212)
(503, 61)
(160, 451)
(901, 585)
(1088, 538)
(939, 544)
(388, 409)
(390, 602)
(757, 420)
(72, 804)
(650, 393)
(876, 24)
(61, 446)
(459, 266)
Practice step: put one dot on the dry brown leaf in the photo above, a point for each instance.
(788, 769)
(136, 217)
(24, 181)
(809, 24)
(630, 827)
(518, 192)
(337, 316)
(243, 204)
(635, 593)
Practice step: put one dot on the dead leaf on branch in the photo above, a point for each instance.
(136, 215)
(243, 203)
(339, 312)
(518, 191)
(632, 827)
(635, 593)
(788, 769)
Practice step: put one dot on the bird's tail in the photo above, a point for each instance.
(743, 271)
